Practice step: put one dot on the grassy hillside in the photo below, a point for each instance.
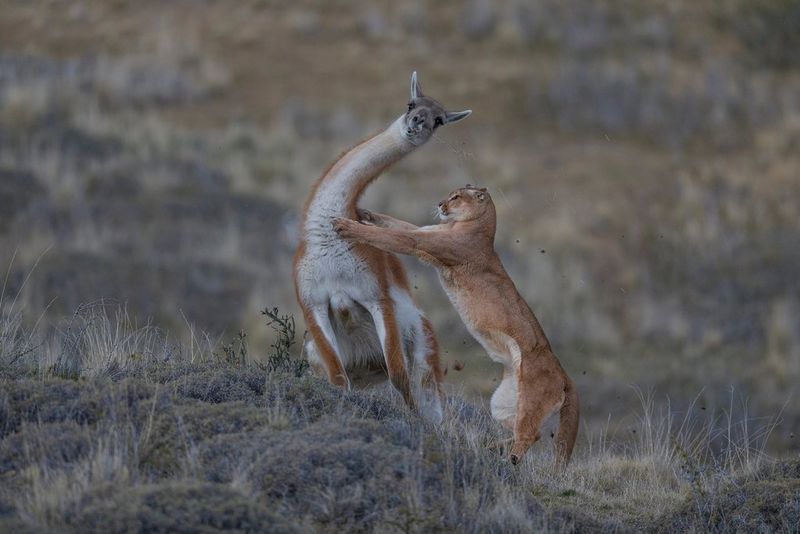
(158, 437)
(643, 156)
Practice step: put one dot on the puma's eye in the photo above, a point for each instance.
(410, 106)
(438, 122)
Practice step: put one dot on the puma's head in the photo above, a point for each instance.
(425, 115)
(466, 204)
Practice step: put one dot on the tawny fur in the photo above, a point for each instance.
(355, 299)
(534, 384)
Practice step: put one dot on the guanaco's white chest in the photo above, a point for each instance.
(330, 271)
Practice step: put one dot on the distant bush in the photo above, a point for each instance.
(479, 19)
(654, 101)
(115, 81)
(769, 31)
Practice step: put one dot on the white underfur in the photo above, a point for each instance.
(504, 400)
(339, 288)
(503, 349)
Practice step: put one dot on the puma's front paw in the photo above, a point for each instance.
(501, 446)
(365, 216)
(345, 227)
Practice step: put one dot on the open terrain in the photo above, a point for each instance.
(121, 430)
(645, 161)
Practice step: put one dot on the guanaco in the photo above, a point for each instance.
(461, 247)
(355, 298)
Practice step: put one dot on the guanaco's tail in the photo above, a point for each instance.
(568, 425)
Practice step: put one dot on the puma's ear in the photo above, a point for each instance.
(455, 116)
(482, 189)
(481, 196)
(416, 90)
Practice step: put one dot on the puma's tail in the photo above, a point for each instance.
(568, 424)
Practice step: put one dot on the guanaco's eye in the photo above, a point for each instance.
(410, 106)
(438, 122)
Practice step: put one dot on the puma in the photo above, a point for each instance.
(461, 247)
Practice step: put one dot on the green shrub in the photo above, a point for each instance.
(281, 358)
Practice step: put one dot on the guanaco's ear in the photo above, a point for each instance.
(455, 116)
(416, 90)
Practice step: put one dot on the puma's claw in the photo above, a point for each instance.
(500, 446)
(343, 227)
(364, 215)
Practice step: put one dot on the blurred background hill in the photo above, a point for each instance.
(644, 158)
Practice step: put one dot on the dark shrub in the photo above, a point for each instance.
(769, 31)
(50, 445)
(344, 473)
(175, 430)
(221, 385)
(175, 507)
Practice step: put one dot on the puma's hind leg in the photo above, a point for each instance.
(500, 445)
(541, 393)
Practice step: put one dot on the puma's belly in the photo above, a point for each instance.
(500, 347)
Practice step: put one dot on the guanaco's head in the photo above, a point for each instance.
(466, 204)
(425, 115)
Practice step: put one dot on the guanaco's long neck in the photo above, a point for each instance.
(341, 187)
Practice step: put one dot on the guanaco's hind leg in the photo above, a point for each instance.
(383, 315)
(427, 357)
(319, 326)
